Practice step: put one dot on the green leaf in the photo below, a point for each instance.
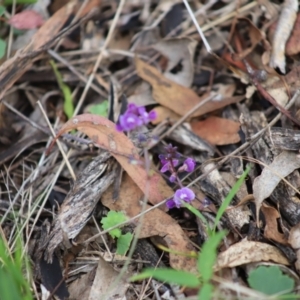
(68, 103)
(205, 292)
(169, 275)
(99, 109)
(113, 218)
(123, 243)
(270, 280)
(2, 48)
(230, 196)
(2, 10)
(208, 255)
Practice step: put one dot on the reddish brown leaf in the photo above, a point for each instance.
(176, 97)
(163, 113)
(271, 229)
(217, 131)
(104, 135)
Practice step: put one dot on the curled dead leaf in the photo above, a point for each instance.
(103, 134)
(271, 228)
(246, 252)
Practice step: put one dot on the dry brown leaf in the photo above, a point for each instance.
(175, 96)
(80, 288)
(217, 131)
(294, 241)
(103, 134)
(246, 252)
(263, 186)
(154, 223)
(293, 44)
(164, 113)
(271, 229)
(104, 279)
(14, 68)
(179, 51)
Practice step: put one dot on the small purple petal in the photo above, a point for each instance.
(170, 204)
(132, 108)
(161, 157)
(165, 167)
(172, 178)
(141, 110)
(152, 115)
(188, 165)
(184, 194)
(129, 121)
(177, 202)
(119, 127)
(146, 117)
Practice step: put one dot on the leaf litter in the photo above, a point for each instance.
(210, 105)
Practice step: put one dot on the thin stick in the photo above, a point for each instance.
(57, 141)
(206, 44)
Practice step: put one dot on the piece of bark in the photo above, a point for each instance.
(80, 202)
(286, 199)
(285, 138)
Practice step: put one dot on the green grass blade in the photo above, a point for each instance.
(68, 103)
(208, 255)
(229, 197)
(169, 275)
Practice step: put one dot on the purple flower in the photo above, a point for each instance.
(134, 117)
(183, 194)
(188, 165)
(128, 121)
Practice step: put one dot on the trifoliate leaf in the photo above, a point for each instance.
(270, 280)
(99, 109)
(113, 218)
